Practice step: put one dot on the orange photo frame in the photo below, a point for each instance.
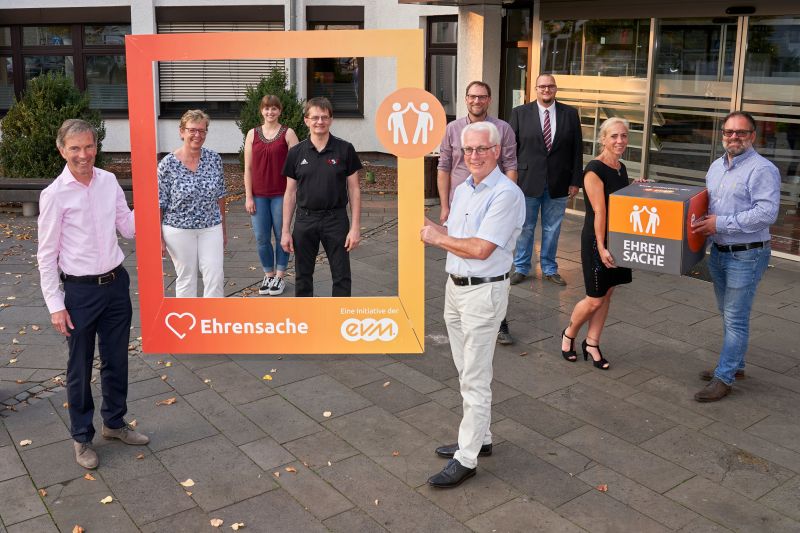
(276, 324)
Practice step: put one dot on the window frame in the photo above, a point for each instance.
(78, 50)
(360, 60)
(439, 49)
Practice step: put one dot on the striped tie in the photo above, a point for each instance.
(548, 141)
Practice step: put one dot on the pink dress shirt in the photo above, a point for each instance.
(76, 233)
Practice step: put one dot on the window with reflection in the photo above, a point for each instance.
(771, 92)
(596, 47)
(339, 79)
(92, 55)
(442, 53)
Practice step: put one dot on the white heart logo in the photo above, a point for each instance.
(179, 318)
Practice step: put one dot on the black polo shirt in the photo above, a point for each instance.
(321, 176)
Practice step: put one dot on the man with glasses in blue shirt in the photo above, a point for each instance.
(485, 219)
(744, 192)
(452, 170)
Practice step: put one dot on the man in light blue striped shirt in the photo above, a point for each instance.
(744, 192)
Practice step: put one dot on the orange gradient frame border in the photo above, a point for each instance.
(334, 325)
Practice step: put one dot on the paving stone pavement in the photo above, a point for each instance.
(576, 449)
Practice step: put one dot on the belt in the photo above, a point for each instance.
(738, 247)
(320, 211)
(102, 279)
(463, 282)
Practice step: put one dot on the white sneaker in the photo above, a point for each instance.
(265, 285)
(276, 286)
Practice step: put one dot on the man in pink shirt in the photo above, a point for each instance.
(80, 213)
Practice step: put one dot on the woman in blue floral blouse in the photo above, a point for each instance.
(191, 195)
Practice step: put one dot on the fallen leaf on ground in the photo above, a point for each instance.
(14, 341)
(133, 423)
(267, 377)
(238, 525)
(291, 469)
(25, 442)
(188, 493)
(93, 380)
(206, 381)
(78, 529)
(523, 354)
(327, 414)
(387, 383)
(329, 463)
(11, 298)
(188, 483)
(276, 474)
(42, 493)
(35, 328)
(168, 364)
(89, 477)
(107, 499)
(602, 488)
(21, 381)
(216, 522)
(395, 453)
(12, 361)
(273, 370)
(168, 401)
(164, 377)
(377, 502)
(140, 456)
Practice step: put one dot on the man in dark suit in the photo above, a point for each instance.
(550, 169)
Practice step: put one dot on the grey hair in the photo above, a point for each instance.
(74, 126)
(608, 123)
(484, 125)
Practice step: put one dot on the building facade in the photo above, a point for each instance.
(672, 69)
(87, 43)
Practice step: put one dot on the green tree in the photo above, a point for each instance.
(28, 147)
(291, 116)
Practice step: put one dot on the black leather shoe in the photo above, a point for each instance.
(451, 475)
(450, 450)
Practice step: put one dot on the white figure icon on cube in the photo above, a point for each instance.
(653, 220)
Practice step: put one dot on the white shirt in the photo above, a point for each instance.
(552, 110)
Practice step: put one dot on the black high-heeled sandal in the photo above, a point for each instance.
(571, 355)
(602, 364)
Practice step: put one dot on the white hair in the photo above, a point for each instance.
(484, 125)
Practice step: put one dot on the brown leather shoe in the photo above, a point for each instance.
(714, 391)
(708, 375)
(85, 455)
(126, 434)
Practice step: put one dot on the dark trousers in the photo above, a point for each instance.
(329, 228)
(103, 312)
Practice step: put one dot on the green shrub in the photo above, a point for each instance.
(28, 147)
(291, 116)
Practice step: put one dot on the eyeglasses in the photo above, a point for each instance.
(739, 133)
(318, 119)
(195, 131)
(546, 87)
(480, 150)
(480, 97)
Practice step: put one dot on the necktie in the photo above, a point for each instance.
(548, 141)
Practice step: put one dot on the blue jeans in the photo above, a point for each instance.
(552, 215)
(267, 222)
(736, 276)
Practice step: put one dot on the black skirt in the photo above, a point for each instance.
(596, 276)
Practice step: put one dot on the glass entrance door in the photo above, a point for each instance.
(693, 88)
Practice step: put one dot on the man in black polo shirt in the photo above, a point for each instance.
(323, 176)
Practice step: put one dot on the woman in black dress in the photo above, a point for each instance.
(603, 175)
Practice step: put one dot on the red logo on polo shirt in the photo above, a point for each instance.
(331, 161)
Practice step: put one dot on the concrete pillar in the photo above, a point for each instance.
(143, 17)
(479, 51)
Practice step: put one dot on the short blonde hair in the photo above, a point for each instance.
(195, 115)
(607, 124)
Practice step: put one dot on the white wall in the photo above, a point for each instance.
(379, 73)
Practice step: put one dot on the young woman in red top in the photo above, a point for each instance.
(265, 149)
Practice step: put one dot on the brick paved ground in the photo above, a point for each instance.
(561, 430)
